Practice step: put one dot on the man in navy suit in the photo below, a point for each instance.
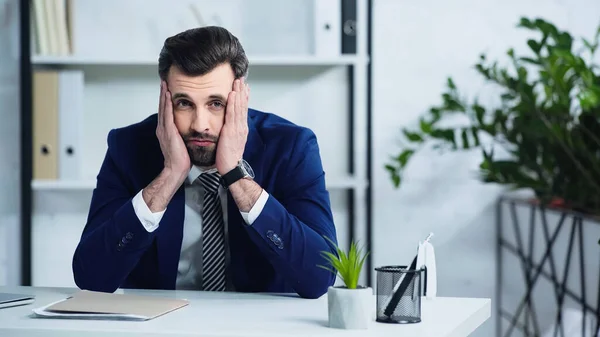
(208, 194)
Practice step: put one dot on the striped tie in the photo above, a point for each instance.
(213, 245)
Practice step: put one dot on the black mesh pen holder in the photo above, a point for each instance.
(398, 294)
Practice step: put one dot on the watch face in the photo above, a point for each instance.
(248, 172)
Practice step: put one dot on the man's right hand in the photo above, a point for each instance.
(159, 192)
(177, 159)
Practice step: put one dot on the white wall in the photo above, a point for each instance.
(416, 45)
(9, 143)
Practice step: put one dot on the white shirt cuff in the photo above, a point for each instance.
(148, 219)
(256, 209)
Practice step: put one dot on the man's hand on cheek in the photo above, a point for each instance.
(234, 133)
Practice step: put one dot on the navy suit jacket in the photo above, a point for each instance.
(279, 252)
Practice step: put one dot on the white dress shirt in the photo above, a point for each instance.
(192, 227)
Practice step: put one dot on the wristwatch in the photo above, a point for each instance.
(241, 171)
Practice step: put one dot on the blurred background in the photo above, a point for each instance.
(403, 115)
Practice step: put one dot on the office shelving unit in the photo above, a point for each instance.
(291, 60)
(352, 185)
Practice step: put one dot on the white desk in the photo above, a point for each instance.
(237, 314)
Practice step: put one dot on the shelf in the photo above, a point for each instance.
(345, 183)
(84, 185)
(63, 184)
(281, 60)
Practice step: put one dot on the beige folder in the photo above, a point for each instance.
(45, 124)
(119, 305)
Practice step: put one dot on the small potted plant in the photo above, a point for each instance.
(350, 306)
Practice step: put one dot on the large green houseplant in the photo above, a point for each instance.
(547, 121)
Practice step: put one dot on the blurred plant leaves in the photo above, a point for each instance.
(548, 120)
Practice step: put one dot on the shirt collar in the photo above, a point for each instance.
(196, 171)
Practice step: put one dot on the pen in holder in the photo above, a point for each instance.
(399, 294)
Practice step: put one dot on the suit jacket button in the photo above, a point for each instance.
(129, 235)
(270, 234)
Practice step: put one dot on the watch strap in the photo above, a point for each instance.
(232, 176)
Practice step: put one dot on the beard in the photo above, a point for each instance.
(203, 156)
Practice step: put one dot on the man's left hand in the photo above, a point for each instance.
(232, 139)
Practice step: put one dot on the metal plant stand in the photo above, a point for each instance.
(548, 271)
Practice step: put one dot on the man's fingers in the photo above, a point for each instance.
(161, 104)
(230, 111)
(168, 109)
(244, 104)
(239, 114)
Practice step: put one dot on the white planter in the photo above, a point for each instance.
(350, 308)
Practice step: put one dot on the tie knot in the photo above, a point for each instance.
(210, 182)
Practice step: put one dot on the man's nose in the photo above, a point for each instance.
(201, 121)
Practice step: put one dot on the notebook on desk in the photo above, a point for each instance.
(98, 305)
(12, 300)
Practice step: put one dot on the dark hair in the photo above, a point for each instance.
(198, 51)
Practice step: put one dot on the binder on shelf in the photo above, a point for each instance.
(57, 124)
(50, 23)
(41, 26)
(45, 124)
(348, 31)
(327, 27)
(70, 117)
(61, 27)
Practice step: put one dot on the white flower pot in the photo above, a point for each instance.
(350, 308)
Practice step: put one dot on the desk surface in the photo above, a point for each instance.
(239, 314)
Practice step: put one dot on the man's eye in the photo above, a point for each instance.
(217, 104)
(183, 103)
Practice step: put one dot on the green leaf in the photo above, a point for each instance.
(425, 126)
(479, 112)
(390, 168)
(451, 84)
(475, 134)
(526, 23)
(530, 60)
(465, 139)
(588, 99)
(522, 72)
(452, 104)
(436, 114)
(404, 157)
(534, 45)
(413, 136)
(508, 96)
(565, 41)
(396, 180)
(590, 46)
(446, 135)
